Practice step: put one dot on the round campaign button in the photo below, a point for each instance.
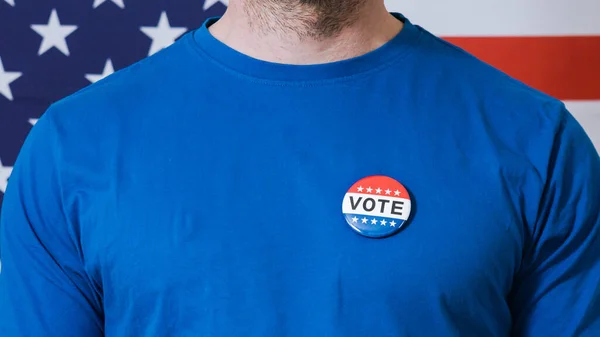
(376, 206)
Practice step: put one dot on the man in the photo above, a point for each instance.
(304, 168)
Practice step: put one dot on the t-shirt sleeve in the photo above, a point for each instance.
(44, 289)
(557, 291)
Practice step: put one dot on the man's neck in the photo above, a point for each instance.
(373, 27)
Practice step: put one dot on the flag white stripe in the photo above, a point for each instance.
(587, 114)
(502, 17)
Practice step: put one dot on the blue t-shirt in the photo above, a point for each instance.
(201, 192)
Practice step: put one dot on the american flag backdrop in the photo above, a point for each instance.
(51, 48)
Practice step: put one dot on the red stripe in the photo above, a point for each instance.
(564, 67)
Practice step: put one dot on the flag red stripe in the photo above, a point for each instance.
(565, 67)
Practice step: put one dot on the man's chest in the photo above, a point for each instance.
(274, 245)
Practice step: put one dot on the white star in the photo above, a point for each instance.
(383, 222)
(364, 220)
(163, 35)
(5, 172)
(393, 223)
(378, 190)
(388, 191)
(369, 189)
(396, 192)
(360, 188)
(374, 222)
(6, 78)
(108, 69)
(32, 121)
(10, 2)
(209, 3)
(116, 2)
(355, 219)
(54, 34)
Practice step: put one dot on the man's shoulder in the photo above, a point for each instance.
(130, 90)
(470, 79)
(509, 118)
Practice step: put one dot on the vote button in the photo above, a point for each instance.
(376, 206)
